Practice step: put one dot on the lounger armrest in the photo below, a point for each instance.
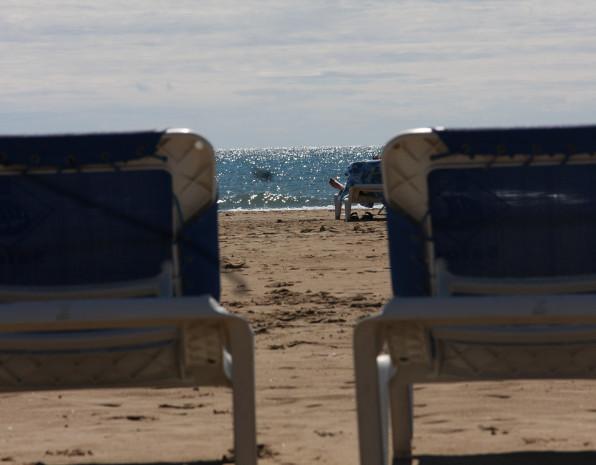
(354, 189)
(368, 187)
(535, 309)
(60, 315)
(211, 340)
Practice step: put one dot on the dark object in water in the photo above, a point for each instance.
(262, 174)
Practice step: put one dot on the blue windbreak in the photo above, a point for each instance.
(84, 228)
(515, 221)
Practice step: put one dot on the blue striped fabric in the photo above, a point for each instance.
(65, 151)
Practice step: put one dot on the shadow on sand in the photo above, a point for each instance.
(512, 458)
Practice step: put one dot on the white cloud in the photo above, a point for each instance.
(280, 73)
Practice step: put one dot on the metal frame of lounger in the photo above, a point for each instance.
(356, 193)
(93, 336)
(530, 335)
(445, 339)
(359, 191)
(213, 348)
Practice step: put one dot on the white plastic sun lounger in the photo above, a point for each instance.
(363, 185)
(366, 194)
(110, 270)
(491, 243)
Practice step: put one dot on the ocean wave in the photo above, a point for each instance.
(282, 178)
(271, 200)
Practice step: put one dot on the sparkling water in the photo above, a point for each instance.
(281, 178)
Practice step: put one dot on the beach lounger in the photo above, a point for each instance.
(364, 185)
(493, 263)
(109, 270)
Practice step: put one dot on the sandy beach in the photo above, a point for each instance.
(303, 280)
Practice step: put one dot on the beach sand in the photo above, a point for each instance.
(303, 280)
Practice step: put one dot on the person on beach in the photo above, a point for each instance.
(336, 184)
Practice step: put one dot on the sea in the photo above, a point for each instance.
(283, 177)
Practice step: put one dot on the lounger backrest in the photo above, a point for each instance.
(364, 172)
(491, 203)
(84, 228)
(91, 209)
(515, 221)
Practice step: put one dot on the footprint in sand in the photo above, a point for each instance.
(449, 430)
(220, 412)
(187, 406)
(68, 453)
(327, 434)
(493, 430)
(280, 284)
(282, 400)
(435, 422)
(134, 418)
(528, 441)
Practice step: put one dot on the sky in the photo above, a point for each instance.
(294, 73)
